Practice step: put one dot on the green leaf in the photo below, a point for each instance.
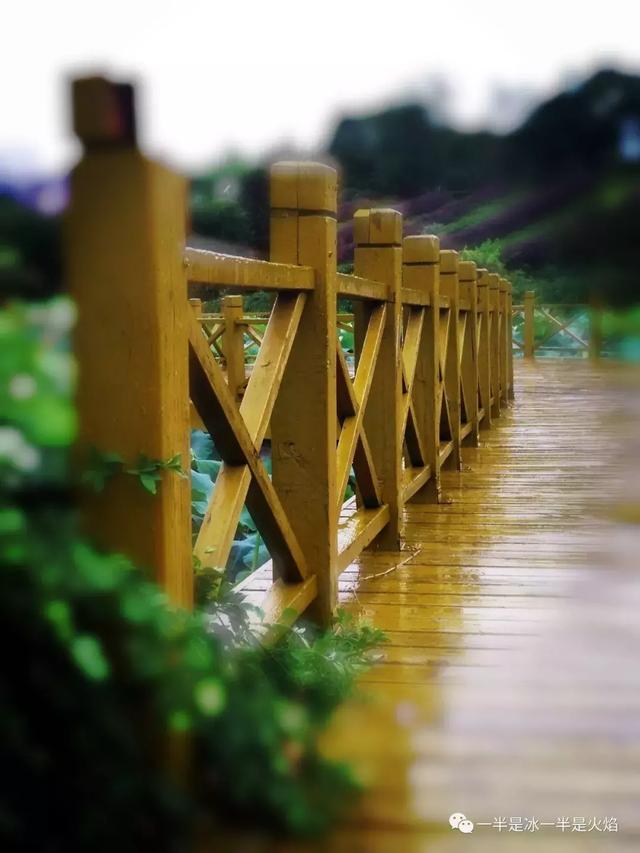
(87, 653)
(100, 468)
(149, 482)
(180, 721)
(210, 696)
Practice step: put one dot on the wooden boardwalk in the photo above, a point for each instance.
(511, 684)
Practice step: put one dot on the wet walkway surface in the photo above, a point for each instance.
(510, 687)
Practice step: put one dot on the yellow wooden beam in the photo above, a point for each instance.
(218, 410)
(358, 532)
(449, 286)
(124, 239)
(484, 347)
(469, 375)
(421, 275)
(378, 256)
(304, 423)
(214, 269)
(494, 341)
(355, 287)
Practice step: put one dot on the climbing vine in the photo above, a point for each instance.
(103, 466)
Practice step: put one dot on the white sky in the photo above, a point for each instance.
(250, 76)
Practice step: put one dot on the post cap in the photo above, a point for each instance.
(467, 271)
(103, 112)
(380, 226)
(483, 277)
(494, 281)
(233, 300)
(421, 249)
(448, 261)
(304, 186)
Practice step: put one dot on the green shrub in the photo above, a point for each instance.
(101, 674)
(550, 284)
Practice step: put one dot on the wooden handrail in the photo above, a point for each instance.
(431, 366)
(213, 269)
(361, 288)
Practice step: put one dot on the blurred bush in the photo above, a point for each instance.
(101, 675)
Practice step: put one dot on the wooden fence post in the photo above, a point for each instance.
(595, 331)
(529, 338)
(484, 346)
(469, 356)
(304, 420)
(504, 343)
(233, 343)
(194, 418)
(511, 389)
(378, 256)
(494, 345)
(421, 271)
(125, 237)
(449, 288)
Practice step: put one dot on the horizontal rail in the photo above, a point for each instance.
(355, 287)
(411, 296)
(217, 270)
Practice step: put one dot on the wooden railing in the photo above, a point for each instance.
(557, 329)
(431, 366)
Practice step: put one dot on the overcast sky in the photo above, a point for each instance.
(250, 76)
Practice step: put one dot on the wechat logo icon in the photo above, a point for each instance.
(458, 821)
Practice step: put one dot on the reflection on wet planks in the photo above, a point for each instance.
(510, 686)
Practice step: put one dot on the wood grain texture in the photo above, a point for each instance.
(510, 685)
(304, 421)
(124, 239)
(378, 256)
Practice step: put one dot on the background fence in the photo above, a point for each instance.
(557, 329)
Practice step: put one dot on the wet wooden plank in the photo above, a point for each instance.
(510, 682)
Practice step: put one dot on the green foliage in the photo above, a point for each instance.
(231, 203)
(347, 341)
(488, 255)
(101, 467)
(258, 301)
(30, 251)
(221, 219)
(249, 551)
(548, 286)
(108, 657)
(37, 420)
(149, 471)
(323, 665)
(100, 671)
(94, 659)
(480, 214)
(35, 371)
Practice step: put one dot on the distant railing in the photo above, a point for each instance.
(557, 329)
(430, 364)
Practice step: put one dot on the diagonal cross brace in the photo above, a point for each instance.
(353, 447)
(237, 447)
